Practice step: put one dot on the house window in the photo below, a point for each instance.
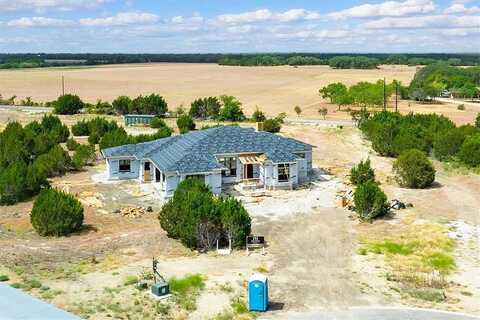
(124, 165)
(231, 164)
(283, 172)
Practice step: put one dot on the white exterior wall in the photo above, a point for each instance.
(114, 172)
(214, 181)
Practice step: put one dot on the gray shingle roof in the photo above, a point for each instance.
(195, 151)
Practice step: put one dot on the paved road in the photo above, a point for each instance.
(379, 313)
(456, 101)
(320, 122)
(26, 109)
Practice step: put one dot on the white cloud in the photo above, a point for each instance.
(460, 8)
(240, 29)
(40, 5)
(38, 22)
(267, 15)
(424, 22)
(386, 9)
(121, 19)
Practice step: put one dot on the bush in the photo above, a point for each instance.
(152, 104)
(231, 109)
(447, 144)
(461, 107)
(414, 170)
(370, 201)
(157, 123)
(80, 128)
(114, 138)
(121, 104)
(185, 123)
(258, 116)
(477, 121)
(84, 155)
(198, 219)
(469, 152)
(13, 184)
(72, 145)
(362, 173)
(205, 108)
(56, 213)
(68, 104)
(272, 125)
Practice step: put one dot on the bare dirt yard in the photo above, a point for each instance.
(318, 254)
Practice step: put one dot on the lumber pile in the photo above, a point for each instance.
(132, 212)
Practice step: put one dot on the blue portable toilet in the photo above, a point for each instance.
(258, 293)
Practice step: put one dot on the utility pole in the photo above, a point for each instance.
(384, 94)
(63, 85)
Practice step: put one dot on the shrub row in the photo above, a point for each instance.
(198, 218)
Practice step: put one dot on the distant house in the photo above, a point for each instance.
(133, 119)
(218, 156)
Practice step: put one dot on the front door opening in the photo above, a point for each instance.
(147, 176)
(248, 171)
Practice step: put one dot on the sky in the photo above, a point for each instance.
(236, 26)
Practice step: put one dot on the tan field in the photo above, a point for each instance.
(273, 89)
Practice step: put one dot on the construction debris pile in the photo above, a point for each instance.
(133, 212)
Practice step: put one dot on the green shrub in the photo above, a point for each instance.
(80, 128)
(231, 109)
(198, 219)
(129, 280)
(477, 121)
(185, 123)
(362, 173)
(13, 183)
(114, 138)
(447, 144)
(157, 123)
(4, 278)
(151, 104)
(56, 213)
(121, 104)
(68, 104)
(84, 155)
(469, 152)
(414, 170)
(272, 125)
(258, 116)
(94, 138)
(72, 145)
(370, 201)
(203, 108)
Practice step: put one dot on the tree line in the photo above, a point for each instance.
(31, 60)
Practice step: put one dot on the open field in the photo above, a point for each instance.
(314, 259)
(274, 89)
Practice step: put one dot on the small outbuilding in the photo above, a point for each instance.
(133, 119)
(258, 293)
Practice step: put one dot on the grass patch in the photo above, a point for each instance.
(421, 256)
(425, 294)
(186, 290)
(129, 280)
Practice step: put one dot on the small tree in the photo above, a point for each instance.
(414, 170)
(447, 143)
(272, 125)
(323, 112)
(68, 104)
(56, 213)
(298, 110)
(258, 115)
(362, 173)
(470, 151)
(185, 123)
(157, 123)
(72, 144)
(122, 104)
(13, 183)
(370, 201)
(80, 128)
(231, 109)
(84, 155)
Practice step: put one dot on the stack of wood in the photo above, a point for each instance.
(132, 212)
